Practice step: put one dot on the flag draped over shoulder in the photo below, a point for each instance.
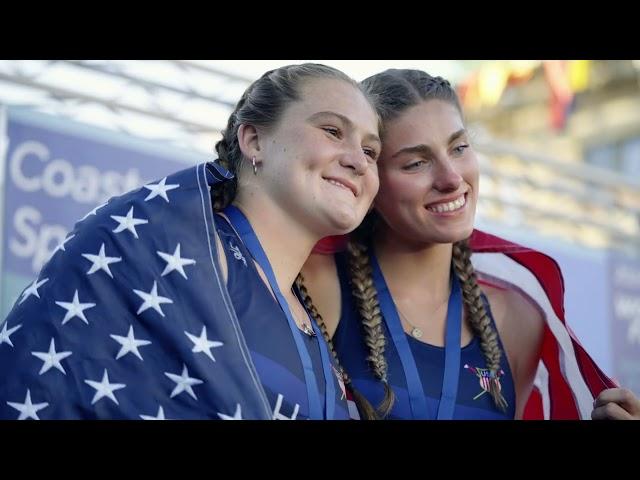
(130, 317)
(568, 379)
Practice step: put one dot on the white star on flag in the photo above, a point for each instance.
(75, 309)
(51, 358)
(129, 344)
(104, 388)
(128, 223)
(202, 343)
(159, 189)
(175, 262)
(33, 289)
(159, 416)
(183, 382)
(100, 261)
(236, 416)
(5, 334)
(151, 300)
(28, 409)
(93, 212)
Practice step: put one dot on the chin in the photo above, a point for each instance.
(344, 220)
(454, 235)
(461, 236)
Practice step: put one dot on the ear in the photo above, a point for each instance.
(249, 141)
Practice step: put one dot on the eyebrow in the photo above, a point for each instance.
(425, 150)
(346, 121)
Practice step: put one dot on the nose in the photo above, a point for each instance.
(447, 178)
(354, 158)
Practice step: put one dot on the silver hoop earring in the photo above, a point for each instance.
(255, 167)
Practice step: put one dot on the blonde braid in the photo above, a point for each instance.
(478, 318)
(367, 412)
(366, 296)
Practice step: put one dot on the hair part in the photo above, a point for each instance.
(396, 90)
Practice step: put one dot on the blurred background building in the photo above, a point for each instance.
(559, 145)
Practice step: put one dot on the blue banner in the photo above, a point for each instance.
(625, 291)
(55, 172)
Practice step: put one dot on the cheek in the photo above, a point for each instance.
(391, 199)
(371, 184)
(402, 188)
(471, 171)
(388, 184)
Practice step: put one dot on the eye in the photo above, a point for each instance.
(460, 149)
(333, 131)
(414, 165)
(370, 152)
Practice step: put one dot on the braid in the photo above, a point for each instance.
(441, 83)
(364, 407)
(364, 291)
(478, 318)
(229, 155)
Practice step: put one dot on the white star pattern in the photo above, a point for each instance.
(61, 246)
(151, 300)
(75, 309)
(202, 343)
(51, 358)
(5, 334)
(100, 261)
(129, 344)
(128, 223)
(104, 388)
(28, 409)
(183, 382)
(33, 289)
(236, 416)
(159, 416)
(93, 212)
(159, 189)
(175, 262)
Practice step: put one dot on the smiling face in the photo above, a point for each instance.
(428, 175)
(319, 162)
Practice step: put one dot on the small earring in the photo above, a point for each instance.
(255, 167)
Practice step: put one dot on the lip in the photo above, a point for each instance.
(346, 183)
(447, 200)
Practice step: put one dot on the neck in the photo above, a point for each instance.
(412, 269)
(285, 241)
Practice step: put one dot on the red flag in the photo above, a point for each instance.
(568, 379)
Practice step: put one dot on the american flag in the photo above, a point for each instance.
(568, 379)
(130, 318)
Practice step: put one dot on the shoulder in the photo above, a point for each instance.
(520, 325)
(513, 311)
